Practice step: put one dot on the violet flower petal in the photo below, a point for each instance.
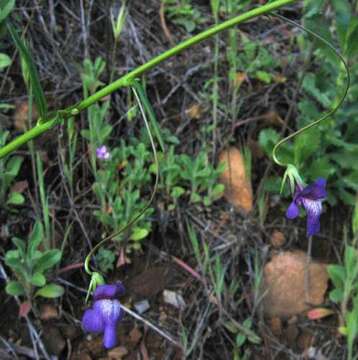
(102, 153)
(92, 321)
(313, 209)
(111, 313)
(110, 336)
(108, 291)
(292, 211)
(315, 191)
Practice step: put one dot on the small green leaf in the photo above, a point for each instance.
(15, 198)
(35, 239)
(195, 198)
(336, 295)
(38, 279)
(13, 165)
(350, 259)
(177, 191)
(267, 140)
(14, 288)
(263, 76)
(139, 234)
(240, 339)
(47, 260)
(306, 144)
(50, 291)
(5, 61)
(337, 274)
(6, 7)
(21, 246)
(218, 191)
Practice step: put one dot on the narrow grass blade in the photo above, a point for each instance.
(150, 112)
(31, 75)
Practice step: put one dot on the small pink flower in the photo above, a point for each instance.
(103, 153)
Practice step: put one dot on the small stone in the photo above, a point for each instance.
(277, 239)
(238, 190)
(142, 306)
(286, 293)
(174, 299)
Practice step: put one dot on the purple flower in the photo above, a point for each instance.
(103, 153)
(310, 197)
(105, 313)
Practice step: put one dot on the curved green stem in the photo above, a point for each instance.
(135, 86)
(330, 112)
(127, 79)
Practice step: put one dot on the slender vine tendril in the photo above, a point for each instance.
(330, 112)
(134, 87)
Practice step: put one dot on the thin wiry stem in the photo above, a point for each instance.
(330, 112)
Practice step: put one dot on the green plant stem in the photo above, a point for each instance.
(127, 79)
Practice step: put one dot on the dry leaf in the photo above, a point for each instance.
(194, 112)
(276, 326)
(118, 352)
(25, 308)
(277, 239)
(319, 313)
(48, 312)
(21, 115)
(240, 77)
(284, 284)
(20, 186)
(238, 189)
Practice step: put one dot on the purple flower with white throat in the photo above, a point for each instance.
(105, 314)
(103, 153)
(310, 197)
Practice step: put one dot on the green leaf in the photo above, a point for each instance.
(15, 198)
(305, 145)
(337, 274)
(139, 234)
(47, 260)
(50, 291)
(320, 167)
(13, 165)
(350, 260)
(38, 279)
(177, 191)
(310, 86)
(267, 140)
(336, 295)
(5, 61)
(35, 239)
(355, 218)
(33, 77)
(21, 246)
(14, 288)
(263, 76)
(351, 43)
(218, 191)
(6, 7)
